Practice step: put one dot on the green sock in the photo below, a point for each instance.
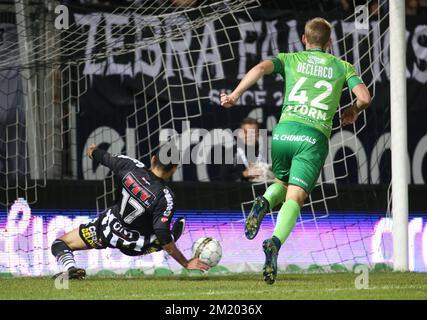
(286, 219)
(275, 194)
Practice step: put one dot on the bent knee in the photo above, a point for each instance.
(59, 247)
(284, 183)
(297, 194)
(73, 240)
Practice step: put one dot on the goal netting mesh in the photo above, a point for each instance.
(169, 64)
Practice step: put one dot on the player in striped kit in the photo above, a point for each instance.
(139, 224)
(314, 81)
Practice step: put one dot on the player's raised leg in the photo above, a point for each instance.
(299, 162)
(273, 196)
(63, 247)
(285, 223)
(281, 154)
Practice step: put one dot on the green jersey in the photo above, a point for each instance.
(313, 85)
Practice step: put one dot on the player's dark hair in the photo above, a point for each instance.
(163, 165)
(249, 121)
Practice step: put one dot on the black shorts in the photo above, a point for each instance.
(106, 231)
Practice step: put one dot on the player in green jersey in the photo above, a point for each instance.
(314, 81)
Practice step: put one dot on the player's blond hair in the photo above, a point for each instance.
(317, 31)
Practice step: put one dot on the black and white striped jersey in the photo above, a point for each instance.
(146, 204)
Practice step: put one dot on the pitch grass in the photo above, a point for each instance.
(382, 285)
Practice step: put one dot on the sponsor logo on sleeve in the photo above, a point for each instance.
(169, 203)
(164, 219)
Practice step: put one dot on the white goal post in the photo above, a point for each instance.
(399, 134)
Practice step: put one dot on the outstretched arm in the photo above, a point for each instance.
(261, 69)
(162, 216)
(115, 163)
(174, 252)
(363, 100)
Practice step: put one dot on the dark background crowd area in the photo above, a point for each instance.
(413, 7)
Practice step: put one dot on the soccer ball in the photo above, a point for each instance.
(208, 250)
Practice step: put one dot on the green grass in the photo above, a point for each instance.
(382, 285)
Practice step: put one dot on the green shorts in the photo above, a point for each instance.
(298, 153)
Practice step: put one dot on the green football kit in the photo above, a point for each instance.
(313, 86)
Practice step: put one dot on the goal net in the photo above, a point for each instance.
(133, 77)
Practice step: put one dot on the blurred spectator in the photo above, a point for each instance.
(411, 7)
(374, 9)
(184, 3)
(345, 5)
(246, 168)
